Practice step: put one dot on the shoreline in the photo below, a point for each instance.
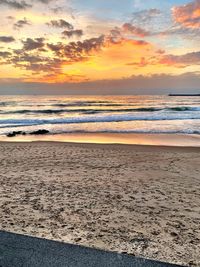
(139, 147)
(174, 140)
(133, 199)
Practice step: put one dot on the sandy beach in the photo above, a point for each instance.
(141, 200)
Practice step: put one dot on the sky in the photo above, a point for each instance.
(99, 46)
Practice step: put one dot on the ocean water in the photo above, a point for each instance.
(100, 114)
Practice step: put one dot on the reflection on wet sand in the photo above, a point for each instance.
(113, 138)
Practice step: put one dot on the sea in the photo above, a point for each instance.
(100, 115)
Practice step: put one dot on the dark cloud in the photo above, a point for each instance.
(57, 10)
(47, 65)
(77, 51)
(21, 4)
(63, 54)
(21, 56)
(72, 33)
(115, 35)
(31, 57)
(32, 44)
(15, 4)
(7, 39)
(136, 31)
(21, 23)
(118, 35)
(64, 9)
(34, 62)
(5, 54)
(57, 48)
(60, 24)
(182, 60)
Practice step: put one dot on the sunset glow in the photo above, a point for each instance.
(68, 42)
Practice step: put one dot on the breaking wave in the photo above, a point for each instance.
(95, 111)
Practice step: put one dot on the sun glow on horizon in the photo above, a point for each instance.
(54, 43)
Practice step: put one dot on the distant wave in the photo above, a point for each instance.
(85, 111)
(197, 132)
(29, 111)
(86, 104)
(67, 104)
(95, 111)
(184, 108)
(103, 118)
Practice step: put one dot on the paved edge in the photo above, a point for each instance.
(24, 251)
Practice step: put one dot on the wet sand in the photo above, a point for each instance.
(180, 140)
(141, 200)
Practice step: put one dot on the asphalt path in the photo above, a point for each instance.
(24, 251)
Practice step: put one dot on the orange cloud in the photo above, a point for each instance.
(107, 62)
(116, 54)
(188, 15)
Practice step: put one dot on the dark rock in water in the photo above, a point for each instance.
(184, 95)
(40, 132)
(13, 134)
(18, 132)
